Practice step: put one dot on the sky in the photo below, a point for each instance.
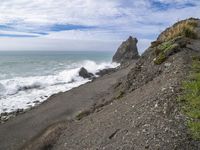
(98, 25)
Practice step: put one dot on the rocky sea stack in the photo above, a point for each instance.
(84, 73)
(127, 51)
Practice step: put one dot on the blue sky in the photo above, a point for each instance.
(87, 24)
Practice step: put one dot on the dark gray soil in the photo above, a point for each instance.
(146, 117)
(59, 107)
(143, 112)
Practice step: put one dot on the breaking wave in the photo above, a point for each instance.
(23, 92)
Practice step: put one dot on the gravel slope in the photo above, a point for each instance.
(147, 117)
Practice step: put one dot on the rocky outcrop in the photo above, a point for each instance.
(85, 74)
(127, 51)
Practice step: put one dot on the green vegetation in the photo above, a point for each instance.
(160, 59)
(119, 95)
(191, 99)
(168, 43)
(166, 46)
(195, 129)
(189, 32)
(163, 51)
(184, 28)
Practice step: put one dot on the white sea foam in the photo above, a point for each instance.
(24, 92)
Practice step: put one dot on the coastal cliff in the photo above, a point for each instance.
(152, 103)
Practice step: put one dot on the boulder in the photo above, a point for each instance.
(127, 51)
(85, 74)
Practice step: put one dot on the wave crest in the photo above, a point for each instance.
(19, 92)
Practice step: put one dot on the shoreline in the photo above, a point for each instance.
(24, 91)
(6, 116)
(59, 107)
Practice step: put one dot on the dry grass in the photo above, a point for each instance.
(167, 43)
(185, 29)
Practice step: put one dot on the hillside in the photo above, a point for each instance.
(146, 113)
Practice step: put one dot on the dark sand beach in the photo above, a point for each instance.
(59, 107)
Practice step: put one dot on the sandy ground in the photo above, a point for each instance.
(59, 107)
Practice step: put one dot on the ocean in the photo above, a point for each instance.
(27, 78)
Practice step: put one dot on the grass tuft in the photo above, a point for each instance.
(191, 99)
(160, 59)
(120, 95)
(164, 50)
(195, 129)
(189, 32)
(167, 44)
(185, 29)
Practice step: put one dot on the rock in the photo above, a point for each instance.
(127, 51)
(105, 71)
(167, 64)
(85, 74)
(36, 101)
(19, 111)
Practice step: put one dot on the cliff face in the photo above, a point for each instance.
(142, 111)
(127, 51)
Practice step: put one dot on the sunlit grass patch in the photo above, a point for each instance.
(195, 129)
(191, 98)
(163, 51)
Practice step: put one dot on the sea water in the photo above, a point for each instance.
(28, 78)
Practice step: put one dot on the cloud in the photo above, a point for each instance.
(87, 22)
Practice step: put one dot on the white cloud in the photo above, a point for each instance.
(115, 21)
(88, 12)
(27, 44)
